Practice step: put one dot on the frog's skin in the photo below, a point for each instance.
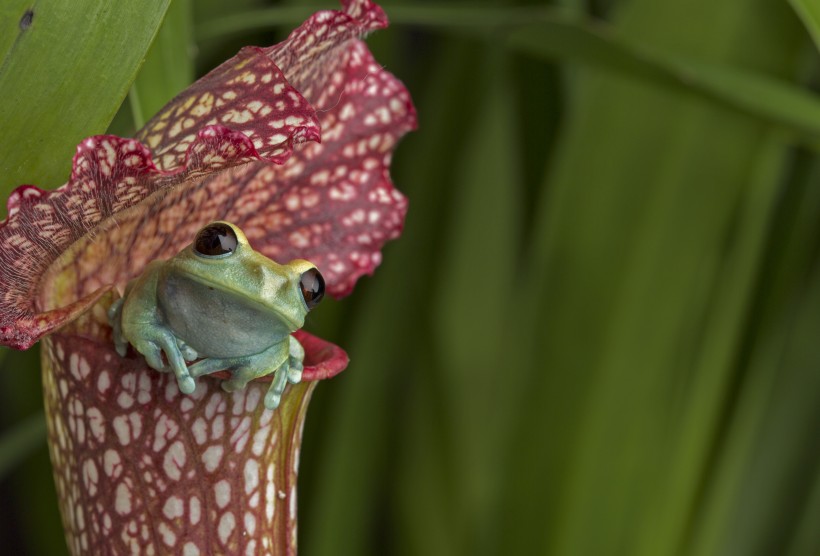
(232, 310)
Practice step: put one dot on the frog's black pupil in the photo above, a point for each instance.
(215, 239)
(313, 287)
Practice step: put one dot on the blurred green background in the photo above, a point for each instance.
(600, 331)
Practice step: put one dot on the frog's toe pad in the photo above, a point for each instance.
(294, 375)
(272, 400)
(187, 385)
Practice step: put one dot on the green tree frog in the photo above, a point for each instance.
(219, 302)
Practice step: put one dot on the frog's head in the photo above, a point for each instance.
(220, 278)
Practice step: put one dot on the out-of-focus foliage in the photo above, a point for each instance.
(599, 331)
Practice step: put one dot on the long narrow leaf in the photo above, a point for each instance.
(809, 12)
(560, 35)
(772, 100)
(65, 68)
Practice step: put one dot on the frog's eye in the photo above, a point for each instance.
(215, 240)
(313, 287)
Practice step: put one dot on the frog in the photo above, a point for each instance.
(219, 305)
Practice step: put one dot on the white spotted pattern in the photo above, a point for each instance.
(130, 470)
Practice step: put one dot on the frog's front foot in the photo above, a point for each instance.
(277, 387)
(289, 371)
(156, 340)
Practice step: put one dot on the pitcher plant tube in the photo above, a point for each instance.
(290, 143)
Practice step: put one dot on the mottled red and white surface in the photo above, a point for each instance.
(142, 469)
(293, 144)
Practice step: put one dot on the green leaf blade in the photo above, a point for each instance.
(63, 78)
(809, 13)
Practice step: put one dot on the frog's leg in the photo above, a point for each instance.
(275, 360)
(144, 327)
(214, 364)
(242, 369)
(261, 364)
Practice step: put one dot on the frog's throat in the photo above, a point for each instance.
(249, 300)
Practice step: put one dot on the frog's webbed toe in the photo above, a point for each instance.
(296, 360)
(277, 387)
(151, 342)
(295, 373)
(152, 354)
(186, 383)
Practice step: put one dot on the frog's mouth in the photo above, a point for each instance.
(241, 297)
